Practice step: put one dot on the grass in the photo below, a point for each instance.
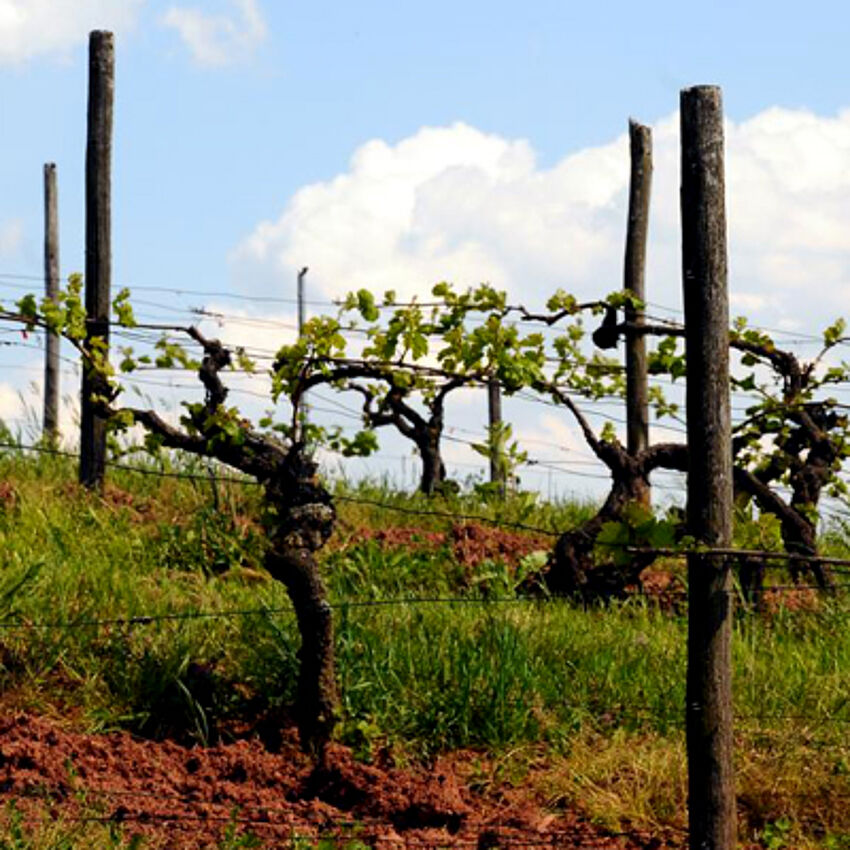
(585, 705)
(92, 827)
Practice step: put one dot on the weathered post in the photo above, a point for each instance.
(300, 425)
(301, 275)
(709, 687)
(50, 420)
(98, 249)
(634, 280)
(494, 404)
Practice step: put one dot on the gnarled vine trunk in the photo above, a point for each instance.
(302, 518)
(433, 468)
(799, 532)
(572, 570)
(299, 518)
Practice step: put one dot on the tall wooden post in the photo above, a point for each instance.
(98, 248)
(709, 680)
(301, 423)
(50, 420)
(494, 404)
(634, 280)
(301, 275)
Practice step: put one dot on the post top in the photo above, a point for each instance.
(702, 91)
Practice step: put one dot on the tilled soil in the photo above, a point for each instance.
(178, 797)
(471, 542)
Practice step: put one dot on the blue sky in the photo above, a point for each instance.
(253, 137)
(204, 152)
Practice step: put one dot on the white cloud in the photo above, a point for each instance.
(10, 402)
(218, 39)
(11, 237)
(449, 203)
(261, 335)
(30, 28)
(460, 204)
(21, 406)
(456, 203)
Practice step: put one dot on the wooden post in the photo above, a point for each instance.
(98, 248)
(711, 784)
(494, 398)
(50, 421)
(301, 275)
(634, 280)
(301, 423)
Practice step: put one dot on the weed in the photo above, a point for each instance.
(776, 834)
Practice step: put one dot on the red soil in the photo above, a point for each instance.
(177, 797)
(471, 542)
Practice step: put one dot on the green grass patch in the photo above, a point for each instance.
(598, 694)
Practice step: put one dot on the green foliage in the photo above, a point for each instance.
(245, 363)
(463, 334)
(761, 532)
(362, 444)
(608, 433)
(172, 355)
(578, 370)
(366, 305)
(320, 342)
(562, 300)
(212, 541)
(237, 838)
(668, 358)
(66, 315)
(123, 309)
(833, 334)
(24, 832)
(623, 299)
(507, 455)
(639, 528)
(777, 834)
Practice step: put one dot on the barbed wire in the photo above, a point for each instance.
(170, 290)
(793, 336)
(329, 823)
(216, 476)
(147, 471)
(7, 277)
(541, 599)
(213, 475)
(189, 476)
(348, 832)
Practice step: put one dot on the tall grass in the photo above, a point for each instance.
(599, 692)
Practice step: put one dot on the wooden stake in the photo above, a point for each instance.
(98, 248)
(709, 679)
(301, 423)
(634, 280)
(494, 398)
(50, 421)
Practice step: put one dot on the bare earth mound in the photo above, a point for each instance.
(177, 797)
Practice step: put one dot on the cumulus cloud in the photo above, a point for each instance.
(447, 203)
(11, 237)
(218, 39)
(10, 402)
(30, 28)
(460, 204)
(21, 406)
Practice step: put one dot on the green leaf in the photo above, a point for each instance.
(366, 305)
(834, 332)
